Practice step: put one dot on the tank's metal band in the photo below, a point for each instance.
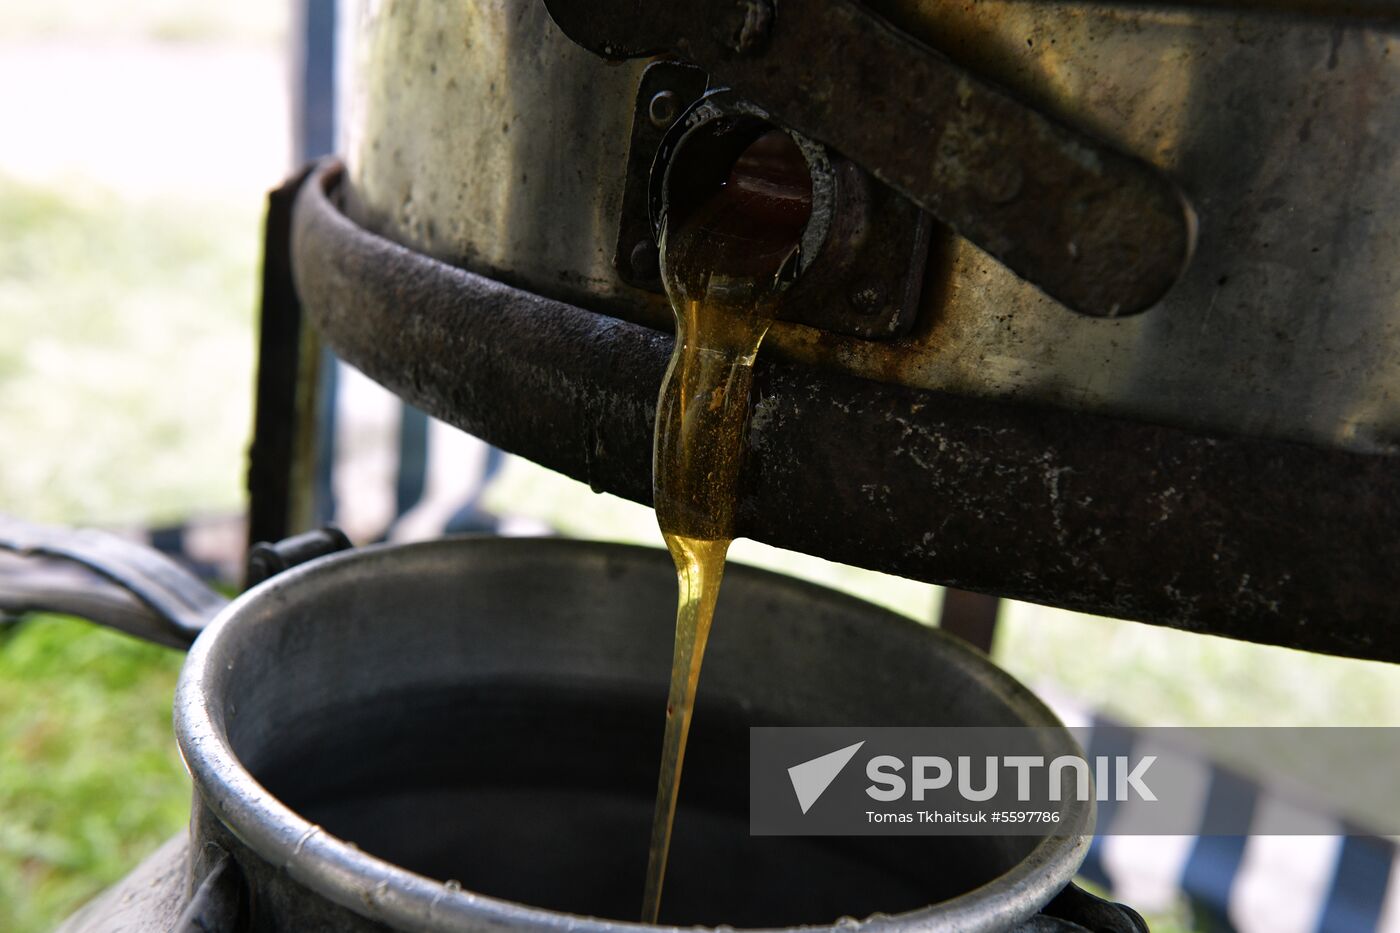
(1261, 540)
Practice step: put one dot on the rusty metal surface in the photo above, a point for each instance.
(864, 251)
(1266, 541)
(479, 134)
(1373, 10)
(275, 453)
(1284, 131)
(1098, 230)
(665, 92)
(867, 276)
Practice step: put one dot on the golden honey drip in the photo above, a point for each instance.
(721, 268)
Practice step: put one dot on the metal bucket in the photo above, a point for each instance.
(462, 735)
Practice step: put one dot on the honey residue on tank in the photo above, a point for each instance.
(723, 263)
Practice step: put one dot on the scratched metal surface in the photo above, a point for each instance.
(1264, 540)
(479, 134)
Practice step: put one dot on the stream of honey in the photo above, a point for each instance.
(723, 266)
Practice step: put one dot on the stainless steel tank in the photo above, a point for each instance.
(1200, 429)
(479, 133)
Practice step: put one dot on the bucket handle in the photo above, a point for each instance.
(104, 578)
(1075, 910)
(219, 903)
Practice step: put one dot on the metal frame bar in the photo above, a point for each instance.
(1256, 539)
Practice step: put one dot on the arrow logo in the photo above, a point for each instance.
(811, 778)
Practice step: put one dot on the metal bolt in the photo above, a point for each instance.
(645, 260)
(266, 560)
(1001, 183)
(662, 109)
(867, 297)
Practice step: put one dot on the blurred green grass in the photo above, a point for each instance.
(131, 320)
(125, 397)
(90, 781)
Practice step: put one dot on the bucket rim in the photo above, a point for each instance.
(386, 893)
